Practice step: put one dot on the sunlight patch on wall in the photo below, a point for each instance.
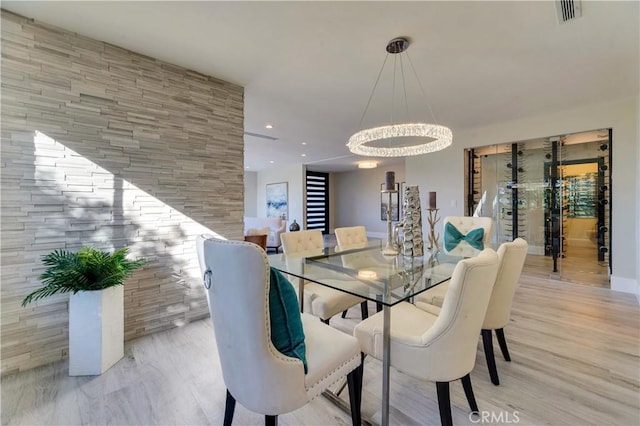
(81, 203)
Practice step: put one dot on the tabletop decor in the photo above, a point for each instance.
(390, 189)
(433, 218)
(387, 207)
(412, 242)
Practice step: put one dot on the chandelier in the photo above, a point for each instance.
(399, 139)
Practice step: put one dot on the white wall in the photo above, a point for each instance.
(637, 114)
(445, 170)
(294, 175)
(250, 194)
(357, 197)
(333, 201)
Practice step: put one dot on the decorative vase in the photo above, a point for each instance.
(294, 226)
(96, 330)
(412, 243)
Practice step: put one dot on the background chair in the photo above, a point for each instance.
(465, 225)
(260, 240)
(351, 236)
(512, 257)
(440, 348)
(355, 237)
(276, 227)
(255, 373)
(321, 301)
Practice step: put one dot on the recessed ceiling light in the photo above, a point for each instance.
(367, 165)
(304, 155)
(304, 143)
(268, 126)
(271, 161)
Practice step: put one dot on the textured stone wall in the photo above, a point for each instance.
(106, 147)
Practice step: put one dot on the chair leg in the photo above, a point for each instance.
(229, 409)
(344, 313)
(503, 344)
(326, 321)
(487, 342)
(354, 381)
(468, 391)
(444, 403)
(270, 420)
(364, 310)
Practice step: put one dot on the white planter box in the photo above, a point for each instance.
(96, 330)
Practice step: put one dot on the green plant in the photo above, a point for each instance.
(88, 269)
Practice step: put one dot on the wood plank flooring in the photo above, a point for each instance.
(579, 266)
(575, 362)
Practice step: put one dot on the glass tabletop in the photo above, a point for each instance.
(365, 272)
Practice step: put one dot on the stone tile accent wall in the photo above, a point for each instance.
(106, 147)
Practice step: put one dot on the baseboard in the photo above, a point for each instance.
(626, 285)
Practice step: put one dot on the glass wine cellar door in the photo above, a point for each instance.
(553, 192)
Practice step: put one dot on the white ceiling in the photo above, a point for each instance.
(308, 67)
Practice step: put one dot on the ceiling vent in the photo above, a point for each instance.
(568, 10)
(258, 135)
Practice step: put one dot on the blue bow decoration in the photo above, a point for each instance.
(452, 237)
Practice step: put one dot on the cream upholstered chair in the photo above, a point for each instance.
(512, 256)
(351, 236)
(440, 348)
(256, 374)
(321, 301)
(462, 235)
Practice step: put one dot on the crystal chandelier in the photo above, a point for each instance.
(390, 140)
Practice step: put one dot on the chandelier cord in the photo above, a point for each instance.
(404, 88)
(424, 95)
(366, 108)
(393, 88)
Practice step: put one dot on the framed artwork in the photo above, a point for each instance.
(278, 200)
(395, 205)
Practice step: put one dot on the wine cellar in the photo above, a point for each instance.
(553, 192)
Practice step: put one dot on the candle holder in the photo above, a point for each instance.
(433, 218)
(390, 249)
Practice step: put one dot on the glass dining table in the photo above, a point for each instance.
(365, 272)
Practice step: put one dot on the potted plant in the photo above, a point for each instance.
(96, 307)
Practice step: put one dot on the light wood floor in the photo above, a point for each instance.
(575, 362)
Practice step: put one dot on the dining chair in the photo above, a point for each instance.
(463, 236)
(321, 301)
(351, 236)
(274, 360)
(466, 236)
(439, 348)
(354, 237)
(512, 256)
